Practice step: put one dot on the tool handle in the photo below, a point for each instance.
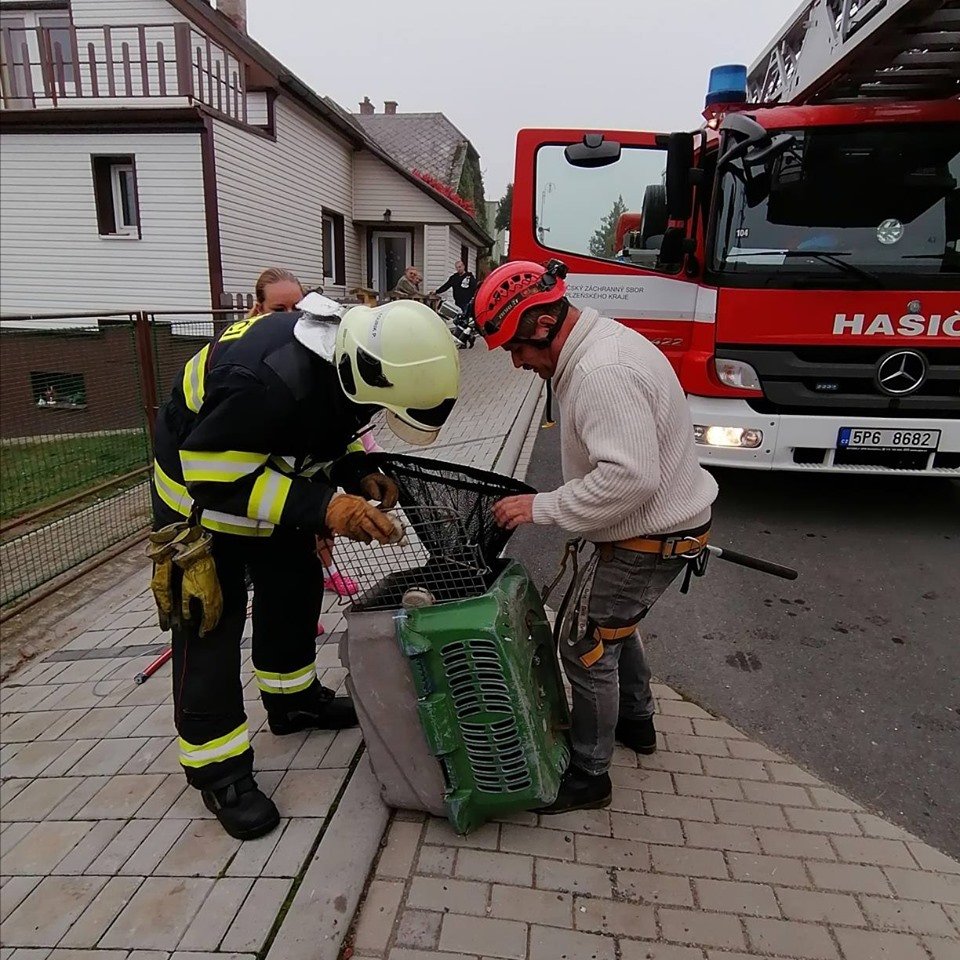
(754, 563)
(151, 668)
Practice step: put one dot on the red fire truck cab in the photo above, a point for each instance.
(798, 264)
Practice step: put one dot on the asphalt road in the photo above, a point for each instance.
(853, 670)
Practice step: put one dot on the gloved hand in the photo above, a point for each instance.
(200, 582)
(377, 486)
(161, 550)
(353, 517)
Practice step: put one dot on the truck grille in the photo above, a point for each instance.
(840, 380)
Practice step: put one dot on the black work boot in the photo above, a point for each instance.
(580, 790)
(243, 810)
(638, 734)
(318, 710)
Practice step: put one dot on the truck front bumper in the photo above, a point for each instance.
(810, 442)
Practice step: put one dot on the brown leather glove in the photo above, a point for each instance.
(377, 486)
(353, 517)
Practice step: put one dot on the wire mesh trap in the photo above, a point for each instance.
(452, 542)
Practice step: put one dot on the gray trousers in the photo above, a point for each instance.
(612, 596)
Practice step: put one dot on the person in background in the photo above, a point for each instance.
(408, 286)
(276, 291)
(463, 283)
(279, 291)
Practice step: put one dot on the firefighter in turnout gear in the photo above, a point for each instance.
(252, 461)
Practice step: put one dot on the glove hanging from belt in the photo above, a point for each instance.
(200, 582)
(189, 547)
(161, 550)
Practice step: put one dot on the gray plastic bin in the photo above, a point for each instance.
(382, 688)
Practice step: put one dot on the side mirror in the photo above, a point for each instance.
(671, 248)
(777, 145)
(679, 165)
(752, 142)
(756, 189)
(592, 151)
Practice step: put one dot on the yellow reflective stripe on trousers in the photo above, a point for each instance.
(177, 498)
(222, 748)
(231, 523)
(286, 682)
(219, 466)
(193, 375)
(173, 494)
(269, 495)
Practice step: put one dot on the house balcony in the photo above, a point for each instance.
(135, 66)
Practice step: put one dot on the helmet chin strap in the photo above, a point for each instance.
(552, 332)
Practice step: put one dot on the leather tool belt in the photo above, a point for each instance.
(684, 544)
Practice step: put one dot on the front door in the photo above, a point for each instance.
(392, 254)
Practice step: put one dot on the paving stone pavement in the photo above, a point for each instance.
(104, 852)
(714, 848)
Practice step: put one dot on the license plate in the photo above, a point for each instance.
(869, 438)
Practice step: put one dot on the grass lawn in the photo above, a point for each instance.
(34, 473)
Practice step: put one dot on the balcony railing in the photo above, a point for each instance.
(54, 66)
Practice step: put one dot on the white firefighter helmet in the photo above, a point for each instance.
(401, 357)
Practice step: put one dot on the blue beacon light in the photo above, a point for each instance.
(727, 84)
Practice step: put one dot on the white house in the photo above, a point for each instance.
(153, 155)
(431, 147)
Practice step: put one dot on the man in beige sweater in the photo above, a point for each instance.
(632, 487)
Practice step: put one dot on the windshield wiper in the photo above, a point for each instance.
(834, 260)
(823, 256)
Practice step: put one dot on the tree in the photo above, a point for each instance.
(504, 210)
(471, 187)
(601, 243)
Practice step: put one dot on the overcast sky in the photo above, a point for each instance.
(496, 66)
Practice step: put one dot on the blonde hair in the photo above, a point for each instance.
(270, 275)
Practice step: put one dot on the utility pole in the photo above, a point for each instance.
(541, 229)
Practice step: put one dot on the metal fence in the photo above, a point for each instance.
(78, 398)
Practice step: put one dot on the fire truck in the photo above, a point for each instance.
(797, 258)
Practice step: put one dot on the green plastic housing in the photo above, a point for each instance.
(490, 698)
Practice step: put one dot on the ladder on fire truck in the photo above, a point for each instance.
(833, 51)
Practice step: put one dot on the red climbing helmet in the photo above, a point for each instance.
(509, 291)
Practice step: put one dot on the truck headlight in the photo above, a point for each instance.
(713, 436)
(736, 373)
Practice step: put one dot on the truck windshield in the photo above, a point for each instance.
(863, 205)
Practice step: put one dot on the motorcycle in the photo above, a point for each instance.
(460, 324)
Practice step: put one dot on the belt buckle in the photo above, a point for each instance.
(675, 542)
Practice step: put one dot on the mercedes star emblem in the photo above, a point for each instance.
(890, 231)
(913, 306)
(901, 372)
